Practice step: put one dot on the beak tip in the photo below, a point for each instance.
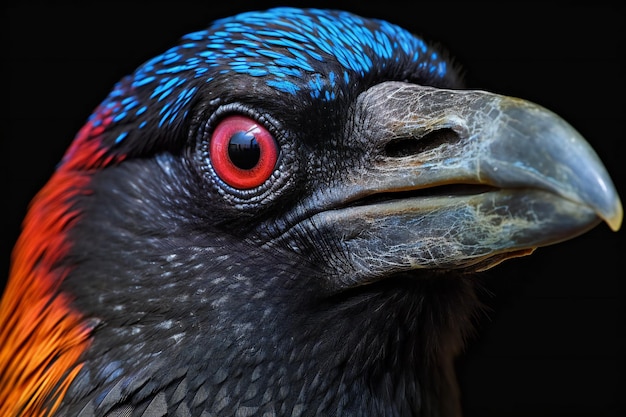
(615, 219)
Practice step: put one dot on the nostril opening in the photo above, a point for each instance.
(407, 146)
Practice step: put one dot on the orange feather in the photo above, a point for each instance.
(41, 335)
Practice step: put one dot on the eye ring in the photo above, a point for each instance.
(243, 152)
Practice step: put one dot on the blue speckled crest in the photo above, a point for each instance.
(293, 51)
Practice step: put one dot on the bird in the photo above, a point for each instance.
(283, 214)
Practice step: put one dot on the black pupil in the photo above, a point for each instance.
(244, 150)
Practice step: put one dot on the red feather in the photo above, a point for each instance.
(42, 336)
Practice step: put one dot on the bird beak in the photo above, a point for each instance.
(465, 179)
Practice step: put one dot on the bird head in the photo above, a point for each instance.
(283, 213)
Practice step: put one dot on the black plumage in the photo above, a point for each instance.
(243, 315)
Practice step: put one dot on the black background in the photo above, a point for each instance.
(553, 344)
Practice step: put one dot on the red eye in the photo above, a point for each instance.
(243, 152)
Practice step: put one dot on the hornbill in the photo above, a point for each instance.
(284, 214)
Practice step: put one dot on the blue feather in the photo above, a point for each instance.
(292, 50)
